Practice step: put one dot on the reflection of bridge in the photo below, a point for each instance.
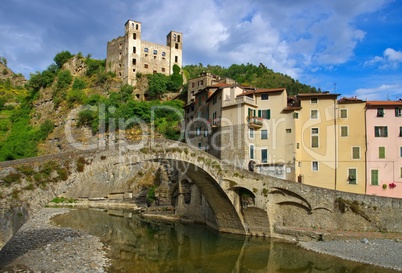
(241, 201)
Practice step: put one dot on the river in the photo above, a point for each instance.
(142, 245)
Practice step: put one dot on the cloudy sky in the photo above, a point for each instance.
(351, 47)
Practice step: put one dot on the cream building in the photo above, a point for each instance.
(128, 55)
(351, 169)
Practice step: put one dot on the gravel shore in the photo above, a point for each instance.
(381, 252)
(41, 247)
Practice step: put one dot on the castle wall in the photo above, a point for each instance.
(128, 55)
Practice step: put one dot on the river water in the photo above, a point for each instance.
(148, 246)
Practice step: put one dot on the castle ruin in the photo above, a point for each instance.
(128, 55)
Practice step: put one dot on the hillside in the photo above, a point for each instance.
(46, 114)
(251, 75)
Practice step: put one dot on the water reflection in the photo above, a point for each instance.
(139, 245)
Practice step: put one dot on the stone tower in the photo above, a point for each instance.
(128, 55)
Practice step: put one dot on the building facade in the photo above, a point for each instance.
(345, 144)
(384, 148)
(128, 55)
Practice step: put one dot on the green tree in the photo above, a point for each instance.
(61, 58)
(157, 84)
(126, 92)
(64, 80)
(175, 80)
(79, 84)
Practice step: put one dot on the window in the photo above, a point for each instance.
(146, 50)
(205, 132)
(295, 115)
(352, 176)
(381, 131)
(199, 145)
(344, 113)
(265, 114)
(374, 177)
(314, 166)
(400, 131)
(176, 59)
(344, 131)
(355, 152)
(380, 112)
(398, 112)
(163, 69)
(198, 131)
(163, 54)
(264, 155)
(134, 36)
(313, 100)
(134, 49)
(214, 100)
(178, 38)
(314, 138)
(155, 52)
(252, 151)
(400, 151)
(400, 172)
(136, 26)
(264, 134)
(314, 114)
(176, 46)
(145, 65)
(288, 131)
(134, 61)
(264, 97)
(251, 133)
(381, 152)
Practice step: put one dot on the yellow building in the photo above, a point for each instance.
(315, 138)
(351, 169)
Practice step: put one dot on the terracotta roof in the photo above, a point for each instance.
(383, 103)
(220, 85)
(318, 94)
(345, 100)
(262, 90)
(291, 108)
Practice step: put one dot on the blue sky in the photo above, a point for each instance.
(351, 47)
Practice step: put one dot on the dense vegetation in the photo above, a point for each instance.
(252, 75)
(19, 139)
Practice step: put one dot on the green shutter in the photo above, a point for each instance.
(381, 152)
(374, 177)
(259, 113)
(386, 131)
(352, 176)
(268, 114)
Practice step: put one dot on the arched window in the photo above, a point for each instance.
(146, 50)
(163, 54)
(174, 37)
(155, 51)
(178, 38)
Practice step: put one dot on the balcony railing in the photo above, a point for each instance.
(238, 100)
(255, 122)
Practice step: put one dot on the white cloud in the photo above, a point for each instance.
(391, 59)
(389, 91)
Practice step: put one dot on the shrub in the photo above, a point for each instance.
(62, 57)
(80, 164)
(11, 178)
(64, 80)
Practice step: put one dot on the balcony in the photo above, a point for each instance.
(254, 122)
(239, 100)
(215, 123)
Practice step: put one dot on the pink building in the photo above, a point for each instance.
(384, 148)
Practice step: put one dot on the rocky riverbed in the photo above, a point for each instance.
(381, 252)
(40, 246)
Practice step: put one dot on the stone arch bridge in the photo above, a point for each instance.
(230, 199)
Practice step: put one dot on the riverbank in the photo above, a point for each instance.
(385, 253)
(40, 246)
